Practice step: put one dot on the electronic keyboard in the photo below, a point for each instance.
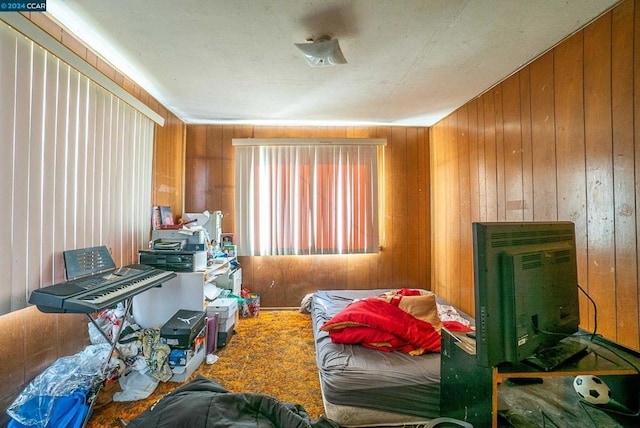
(100, 291)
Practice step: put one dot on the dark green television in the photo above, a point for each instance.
(526, 289)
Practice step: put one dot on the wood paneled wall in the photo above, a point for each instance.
(556, 141)
(168, 165)
(282, 281)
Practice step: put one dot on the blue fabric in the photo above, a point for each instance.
(67, 412)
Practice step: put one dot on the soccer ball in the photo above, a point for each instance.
(592, 389)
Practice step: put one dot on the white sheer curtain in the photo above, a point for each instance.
(307, 198)
(76, 169)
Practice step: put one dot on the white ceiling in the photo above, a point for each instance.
(410, 62)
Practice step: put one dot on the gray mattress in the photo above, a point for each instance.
(352, 375)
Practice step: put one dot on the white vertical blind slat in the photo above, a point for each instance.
(90, 167)
(49, 169)
(71, 161)
(20, 185)
(35, 192)
(59, 231)
(7, 104)
(99, 166)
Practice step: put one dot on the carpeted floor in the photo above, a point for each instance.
(271, 354)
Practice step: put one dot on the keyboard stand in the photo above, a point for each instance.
(127, 312)
(99, 383)
(88, 261)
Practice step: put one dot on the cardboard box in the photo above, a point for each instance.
(224, 337)
(180, 357)
(224, 307)
(182, 328)
(226, 310)
(182, 373)
(226, 324)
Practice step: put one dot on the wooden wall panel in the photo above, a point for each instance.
(543, 140)
(423, 209)
(491, 169)
(214, 181)
(464, 205)
(498, 125)
(383, 273)
(438, 192)
(628, 306)
(196, 172)
(570, 150)
(526, 145)
(282, 281)
(397, 195)
(482, 161)
(412, 203)
(626, 239)
(513, 150)
(555, 141)
(476, 190)
(449, 238)
(168, 165)
(599, 167)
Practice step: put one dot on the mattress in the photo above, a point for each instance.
(354, 378)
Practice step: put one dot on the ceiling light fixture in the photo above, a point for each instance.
(322, 52)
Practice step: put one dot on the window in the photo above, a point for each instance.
(297, 197)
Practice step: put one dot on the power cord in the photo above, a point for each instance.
(595, 311)
(622, 410)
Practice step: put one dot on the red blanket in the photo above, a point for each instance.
(381, 324)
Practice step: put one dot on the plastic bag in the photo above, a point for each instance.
(135, 385)
(449, 313)
(108, 321)
(60, 390)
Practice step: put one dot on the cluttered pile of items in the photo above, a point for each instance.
(198, 315)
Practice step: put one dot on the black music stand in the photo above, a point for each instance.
(83, 262)
(87, 261)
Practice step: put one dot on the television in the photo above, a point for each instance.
(526, 290)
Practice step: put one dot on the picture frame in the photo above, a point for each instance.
(230, 250)
(156, 218)
(166, 215)
(226, 239)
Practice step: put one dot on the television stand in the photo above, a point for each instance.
(555, 356)
(469, 392)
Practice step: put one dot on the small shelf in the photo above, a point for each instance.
(470, 392)
(188, 290)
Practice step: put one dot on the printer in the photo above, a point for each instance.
(184, 239)
(184, 249)
(179, 250)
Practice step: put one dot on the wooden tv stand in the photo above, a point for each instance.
(470, 392)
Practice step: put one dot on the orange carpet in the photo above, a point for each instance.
(270, 354)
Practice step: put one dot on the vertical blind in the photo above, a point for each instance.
(305, 198)
(76, 169)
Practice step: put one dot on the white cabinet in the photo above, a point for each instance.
(157, 305)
